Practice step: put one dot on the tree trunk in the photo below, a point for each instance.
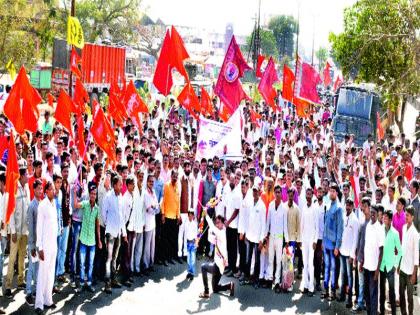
(399, 119)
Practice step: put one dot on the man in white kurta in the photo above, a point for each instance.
(46, 243)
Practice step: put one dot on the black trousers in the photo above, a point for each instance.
(252, 250)
(100, 257)
(159, 243)
(170, 231)
(318, 262)
(242, 247)
(406, 286)
(372, 292)
(127, 248)
(203, 243)
(232, 247)
(212, 268)
(387, 276)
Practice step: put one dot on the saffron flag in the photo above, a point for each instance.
(75, 61)
(337, 83)
(75, 33)
(12, 177)
(266, 84)
(228, 86)
(178, 53)
(189, 100)
(63, 111)
(302, 107)
(206, 104)
(134, 105)
(260, 60)
(103, 134)
(224, 113)
(10, 66)
(308, 80)
(80, 142)
(162, 78)
(21, 106)
(380, 129)
(51, 99)
(288, 79)
(326, 73)
(116, 108)
(254, 117)
(80, 98)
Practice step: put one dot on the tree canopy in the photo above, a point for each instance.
(267, 42)
(284, 28)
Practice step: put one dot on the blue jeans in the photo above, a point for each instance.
(75, 233)
(90, 250)
(361, 297)
(329, 266)
(61, 251)
(31, 274)
(346, 274)
(3, 244)
(191, 257)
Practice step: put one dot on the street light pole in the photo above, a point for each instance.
(72, 13)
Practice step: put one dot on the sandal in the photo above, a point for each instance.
(204, 295)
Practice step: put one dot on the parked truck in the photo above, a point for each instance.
(100, 65)
(355, 112)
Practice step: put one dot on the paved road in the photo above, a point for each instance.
(167, 292)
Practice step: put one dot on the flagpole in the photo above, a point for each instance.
(72, 13)
(297, 52)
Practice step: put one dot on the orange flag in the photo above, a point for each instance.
(206, 104)
(380, 129)
(21, 105)
(224, 113)
(116, 108)
(288, 79)
(75, 61)
(80, 142)
(254, 117)
(51, 99)
(189, 100)
(80, 98)
(12, 177)
(302, 107)
(63, 111)
(103, 134)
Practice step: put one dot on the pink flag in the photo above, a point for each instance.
(228, 86)
(266, 84)
(327, 76)
(308, 80)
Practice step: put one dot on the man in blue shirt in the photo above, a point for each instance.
(333, 233)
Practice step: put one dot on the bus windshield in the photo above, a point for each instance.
(354, 103)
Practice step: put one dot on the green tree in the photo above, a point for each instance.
(322, 55)
(267, 43)
(284, 28)
(113, 19)
(379, 44)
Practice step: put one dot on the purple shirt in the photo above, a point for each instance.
(398, 221)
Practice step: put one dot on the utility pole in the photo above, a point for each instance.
(72, 13)
(297, 50)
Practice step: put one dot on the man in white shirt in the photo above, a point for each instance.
(127, 248)
(309, 236)
(374, 242)
(409, 261)
(246, 203)
(255, 234)
(277, 233)
(348, 252)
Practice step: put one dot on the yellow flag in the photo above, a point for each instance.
(10, 66)
(75, 33)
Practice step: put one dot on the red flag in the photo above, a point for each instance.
(266, 84)
(103, 134)
(224, 113)
(75, 61)
(260, 60)
(51, 99)
(133, 102)
(337, 83)
(80, 98)
(327, 76)
(302, 107)
(228, 86)
(188, 99)
(116, 108)
(162, 78)
(12, 177)
(95, 107)
(80, 143)
(206, 104)
(380, 129)
(307, 81)
(356, 191)
(21, 105)
(288, 79)
(178, 53)
(254, 117)
(63, 111)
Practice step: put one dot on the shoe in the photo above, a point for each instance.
(310, 294)
(188, 276)
(349, 304)
(229, 274)
(256, 284)
(232, 289)
(304, 291)
(318, 287)
(179, 261)
(56, 290)
(191, 278)
(277, 288)
(332, 297)
(2, 312)
(39, 311)
(299, 276)
(227, 270)
(90, 289)
(8, 294)
(115, 284)
(62, 279)
(357, 309)
(184, 258)
(21, 286)
(238, 275)
(107, 288)
(325, 295)
(159, 262)
(165, 263)
(30, 300)
(127, 284)
(131, 280)
(78, 288)
(50, 307)
(73, 284)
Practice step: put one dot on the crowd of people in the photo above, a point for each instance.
(349, 216)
